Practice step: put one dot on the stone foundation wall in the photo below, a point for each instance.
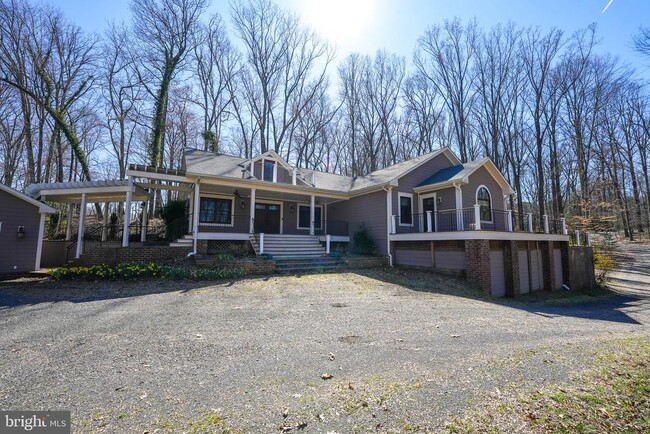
(253, 265)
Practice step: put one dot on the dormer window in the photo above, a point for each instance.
(270, 171)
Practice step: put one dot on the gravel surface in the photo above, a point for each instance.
(406, 350)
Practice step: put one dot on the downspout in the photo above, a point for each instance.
(389, 216)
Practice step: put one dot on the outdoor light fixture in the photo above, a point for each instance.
(21, 232)
(291, 209)
(242, 204)
(439, 199)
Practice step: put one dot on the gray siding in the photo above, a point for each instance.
(411, 180)
(450, 259)
(415, 258)
(368, 209)
(482, 177)
(523, 271)
(17, 252)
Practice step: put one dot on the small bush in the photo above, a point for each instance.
(143, 270)
(362, 242)
(603, 264)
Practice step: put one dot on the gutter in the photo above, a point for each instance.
(389, 216)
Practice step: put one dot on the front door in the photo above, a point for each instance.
(267, 218)
(429, 204)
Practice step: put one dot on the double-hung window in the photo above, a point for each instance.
(405, 209)
(304, 214)
(216, 210)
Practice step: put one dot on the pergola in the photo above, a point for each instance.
(84, 192)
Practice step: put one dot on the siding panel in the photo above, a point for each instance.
(450, 259)
(17, 252)
(523, 271)
(416, 258)
(497, 273)
(368, 209)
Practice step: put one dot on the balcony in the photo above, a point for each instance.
(470, 220)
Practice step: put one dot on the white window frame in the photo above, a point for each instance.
(218, 196)
(421, 198)
(308, 205)
(275, 169)
(399, 208)
(491, 202)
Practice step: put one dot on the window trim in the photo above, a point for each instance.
(399, 208)
(275, 169)
(491, 203)
(218, 196)
(308, 205)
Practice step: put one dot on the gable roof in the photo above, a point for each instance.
(197, 162)
(460, 174)
(42, 208)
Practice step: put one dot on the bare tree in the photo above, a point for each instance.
(444, 55)
(164, 32)
(286, 65)
(217, 66)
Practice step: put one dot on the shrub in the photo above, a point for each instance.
(603, 264)
(143, 270)
(362, 242)
(174, 213)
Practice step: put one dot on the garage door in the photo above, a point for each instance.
(536, 269)
(414, 258)
(498, 273)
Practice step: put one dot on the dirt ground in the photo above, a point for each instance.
(381, 351)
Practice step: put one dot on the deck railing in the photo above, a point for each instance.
(473, 218)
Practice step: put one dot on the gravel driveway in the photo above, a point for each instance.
(406, 351)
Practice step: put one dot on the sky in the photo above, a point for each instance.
(366, 26)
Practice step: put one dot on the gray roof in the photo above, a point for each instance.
(208, 163)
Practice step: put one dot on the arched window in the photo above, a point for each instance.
(484, 200)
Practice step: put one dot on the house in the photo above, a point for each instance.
(22, 225)
(431, 211)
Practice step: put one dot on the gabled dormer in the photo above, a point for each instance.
(271, 167)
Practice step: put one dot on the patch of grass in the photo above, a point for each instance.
(613, 396)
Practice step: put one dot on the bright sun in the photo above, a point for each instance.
(340, 21)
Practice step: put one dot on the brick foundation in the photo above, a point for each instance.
(118, 255)
(477, 260)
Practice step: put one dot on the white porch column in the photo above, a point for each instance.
(195, 216)
(460, 224)
(39, 245)
(252, 218)
(509, 222)
(393, 225)
(477, 217)
(578, 238)
(312, 214)
(82, 226)
(68, 225)
(328, 239)
(143, 228)
(588, 239)
(530, 222)
(190, 219)
(293, 176)
(546, 227)
(105, 223)
(261, 243)
(127, 215)
(564, 229)
(429, 221)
